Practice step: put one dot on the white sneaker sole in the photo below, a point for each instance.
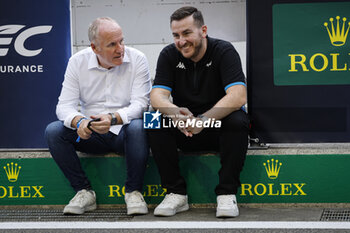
(226, 213)
(166, 212)
(137, 210)
(78, 210)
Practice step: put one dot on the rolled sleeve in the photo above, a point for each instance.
(67, 107)
(124, 116)
(68, 120)
(140, 92)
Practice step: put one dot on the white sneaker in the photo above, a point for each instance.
(135, 203)
(83, 201)
(227, 206)
(172, 204)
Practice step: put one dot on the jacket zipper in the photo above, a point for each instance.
(195, 79)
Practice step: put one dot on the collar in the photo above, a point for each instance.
(93, 62)
(207, 51)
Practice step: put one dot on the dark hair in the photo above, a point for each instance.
(186, 11)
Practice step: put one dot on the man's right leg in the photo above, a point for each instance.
(62, 145)
(164, 150)
(61, 142)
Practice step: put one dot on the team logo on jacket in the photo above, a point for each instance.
(181, 65)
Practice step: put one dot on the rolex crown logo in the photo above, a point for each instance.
(273, 168)
(12, 171)
(337, 35)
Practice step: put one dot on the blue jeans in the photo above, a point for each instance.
(131, 141)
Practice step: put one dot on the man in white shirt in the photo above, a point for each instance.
(111, 83)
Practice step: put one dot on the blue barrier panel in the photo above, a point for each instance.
(35, 45)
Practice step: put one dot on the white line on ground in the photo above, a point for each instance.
(175, 225)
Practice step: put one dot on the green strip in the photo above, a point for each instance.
(293, 179)
(304, 51)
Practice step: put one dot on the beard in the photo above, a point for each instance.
(197, 49)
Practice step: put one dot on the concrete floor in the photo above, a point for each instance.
(252, 219)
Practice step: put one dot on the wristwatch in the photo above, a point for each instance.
(114, 119)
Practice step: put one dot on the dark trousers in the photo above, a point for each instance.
(131, 141)
(231, 141)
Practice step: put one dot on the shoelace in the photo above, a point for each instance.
(226, 201)
(169, 198)
(135, 198)
(79, 197)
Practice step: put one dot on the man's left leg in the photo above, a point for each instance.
(233, 149)
(136, 152)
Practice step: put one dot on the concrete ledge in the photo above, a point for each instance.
(303, 149)
(273, 149)
(44, 153)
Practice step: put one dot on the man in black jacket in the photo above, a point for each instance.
(205, 78)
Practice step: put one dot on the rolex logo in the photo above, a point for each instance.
(336, 34)
(273, 168)
(12, 171)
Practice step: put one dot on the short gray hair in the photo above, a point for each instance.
(94, 28)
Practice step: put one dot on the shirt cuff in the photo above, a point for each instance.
(124, 116)
(68, 121)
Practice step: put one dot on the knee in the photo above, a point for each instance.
(237, 121)
(53, 130)
(135, 127)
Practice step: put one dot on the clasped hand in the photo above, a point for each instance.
(185, 115)
(100, 127)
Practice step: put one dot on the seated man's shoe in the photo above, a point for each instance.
(172, 204)
(227, 206)
(135, 203)
(84, 200)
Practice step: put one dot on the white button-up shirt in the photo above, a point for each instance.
(124, 89)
